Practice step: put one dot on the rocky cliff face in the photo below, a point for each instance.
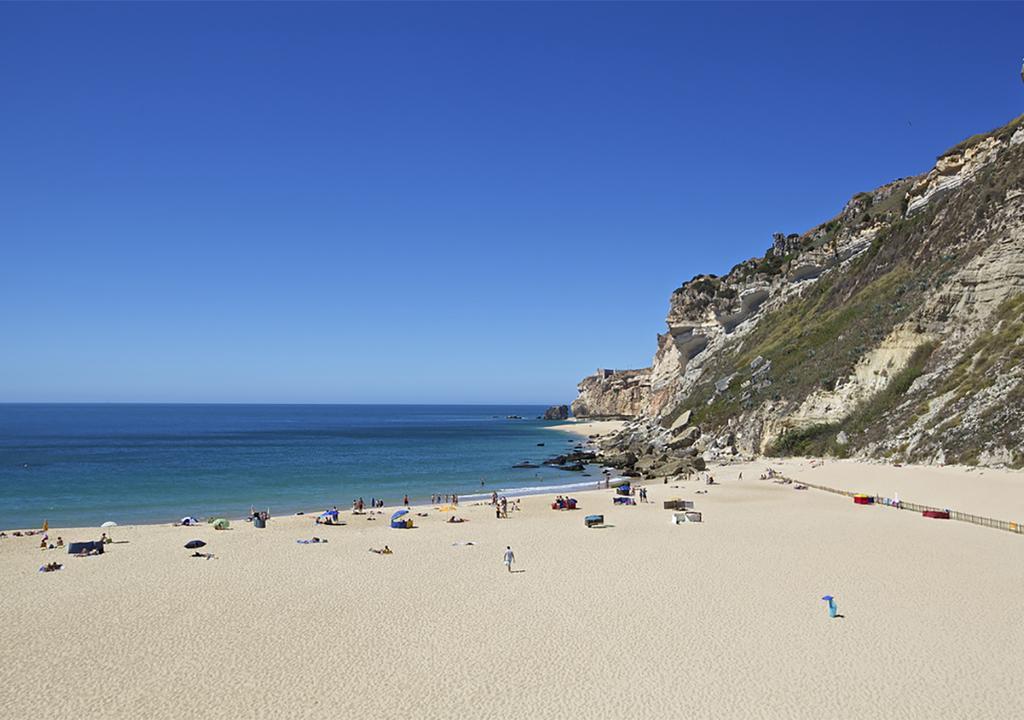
(557, 412)
(891, 330)
(613, 394)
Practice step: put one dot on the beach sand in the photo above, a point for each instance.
(640, 619)
(589, 427)
(981, 491)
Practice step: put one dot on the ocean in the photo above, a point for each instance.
(81, 465)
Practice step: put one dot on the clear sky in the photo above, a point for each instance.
(433, 203)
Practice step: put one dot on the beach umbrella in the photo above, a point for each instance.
(194, 544)
(399, 514)
(109, 523)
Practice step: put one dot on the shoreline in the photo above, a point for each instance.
(579, 428)
(586, 428)
(696, 591)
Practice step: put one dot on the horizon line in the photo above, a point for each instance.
(161, 402)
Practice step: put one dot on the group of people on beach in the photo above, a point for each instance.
(44, 544)
(438, 498)
(502, 507)
(358, 505)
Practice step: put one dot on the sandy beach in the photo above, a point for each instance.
(638, 619)
(590, 427)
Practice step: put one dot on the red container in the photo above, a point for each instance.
(863, 499)
(937, 514)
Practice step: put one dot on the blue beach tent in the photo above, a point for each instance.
(397, 520)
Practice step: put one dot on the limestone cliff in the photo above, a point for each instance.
(892, 330)
(613, 393)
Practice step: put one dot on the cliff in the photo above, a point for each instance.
(613, 394)
(894, 330)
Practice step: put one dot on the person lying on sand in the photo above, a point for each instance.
(456, 519)
(50, 567)
(313, 541)
(208, 556)
(382, 551)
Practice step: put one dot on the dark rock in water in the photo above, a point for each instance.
(525, 464)
(630, 473)
(578, 467)
(557, 412)
(540, 444)
(573, 457)
(513, 417)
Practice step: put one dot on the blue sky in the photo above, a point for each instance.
(433, 203)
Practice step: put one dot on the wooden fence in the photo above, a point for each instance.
(1008, 525)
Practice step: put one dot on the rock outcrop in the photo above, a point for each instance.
(892, 330)
(557, 412)
(612, 394)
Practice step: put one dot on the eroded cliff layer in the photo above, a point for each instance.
(613, 394)
(892, 330)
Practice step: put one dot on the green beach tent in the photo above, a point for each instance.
(221, 524)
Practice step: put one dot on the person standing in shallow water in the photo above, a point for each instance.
(405, 500)
(510, 557)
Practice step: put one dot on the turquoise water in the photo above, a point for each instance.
(85, 464)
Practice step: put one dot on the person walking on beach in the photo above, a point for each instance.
(405, 500)
(510, 557)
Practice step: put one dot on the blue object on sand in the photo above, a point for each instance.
(831, 605)
(399, 514)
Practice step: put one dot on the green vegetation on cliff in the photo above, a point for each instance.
(821, 439)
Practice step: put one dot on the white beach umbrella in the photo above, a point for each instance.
(109, 523)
